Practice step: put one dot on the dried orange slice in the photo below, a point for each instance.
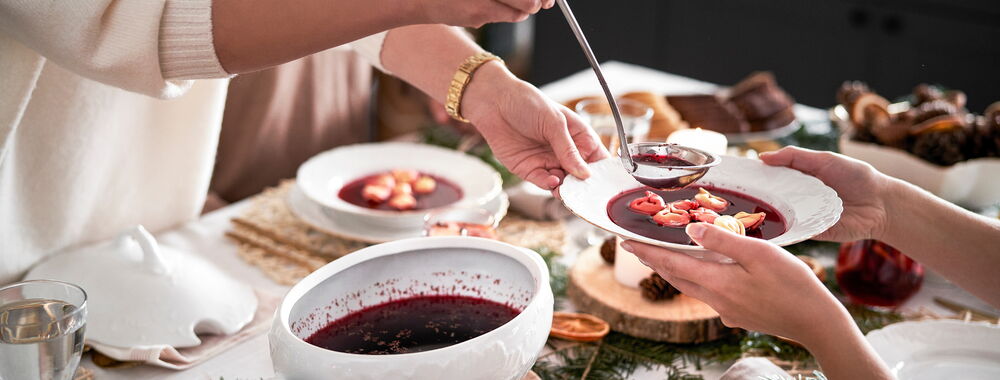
(868, 99)
(578, 327)
(941, 123)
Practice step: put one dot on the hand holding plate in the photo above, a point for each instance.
(858, 184)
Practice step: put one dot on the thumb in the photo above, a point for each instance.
(565, 149)
(745, 250)
(804, 160)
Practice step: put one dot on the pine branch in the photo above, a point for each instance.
(590, 363)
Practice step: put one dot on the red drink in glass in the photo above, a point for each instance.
(873, 273)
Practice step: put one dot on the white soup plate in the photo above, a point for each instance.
(322, 177)
(343, 224)
(808, 206)
(943, 349)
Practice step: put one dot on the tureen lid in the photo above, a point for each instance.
(141, 293)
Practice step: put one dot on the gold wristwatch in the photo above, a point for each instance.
(462, 78)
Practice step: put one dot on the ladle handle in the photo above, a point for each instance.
(626, 156)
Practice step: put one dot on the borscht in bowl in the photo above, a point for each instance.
(401, 190)
(394, 185)
(743, 195)
(663, 215)
(422, 308)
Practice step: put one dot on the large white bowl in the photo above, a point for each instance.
(322, 177)
(808, 206)
(939, 349)
(432, 265)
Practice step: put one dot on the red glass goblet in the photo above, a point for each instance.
(873, 273)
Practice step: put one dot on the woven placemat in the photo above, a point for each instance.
(287, 249)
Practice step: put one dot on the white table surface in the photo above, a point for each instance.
(251, 360)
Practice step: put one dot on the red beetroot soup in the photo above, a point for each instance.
(445, 193)
(620, 214)
(411, 325)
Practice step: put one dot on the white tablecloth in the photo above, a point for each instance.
(251, 360)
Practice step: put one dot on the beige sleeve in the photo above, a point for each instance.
(370, 48)
(187, 50)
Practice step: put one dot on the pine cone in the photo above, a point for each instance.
(655, 288)
(864, 135)
(931, 109)
(925, 93)
(608, 250)
(942, 147)
(984, 140)
(850, 90)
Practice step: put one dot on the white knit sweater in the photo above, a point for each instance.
(101, 124)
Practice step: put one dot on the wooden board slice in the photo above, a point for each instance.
(683, 319)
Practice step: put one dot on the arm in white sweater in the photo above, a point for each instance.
(153, 46)
(135, 45)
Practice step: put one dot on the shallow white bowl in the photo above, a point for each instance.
(432, 265)
(322, 177)
(808, 206)
(939, 349)
(344, 226)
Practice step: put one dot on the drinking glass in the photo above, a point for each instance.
(42, 324)
(636, 117)
(873, 273)
(476, 222)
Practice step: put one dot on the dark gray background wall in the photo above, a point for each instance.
(811, 45)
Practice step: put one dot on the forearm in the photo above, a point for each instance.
(253, 35)
(962, 246)
(427, 56)
(843, 353)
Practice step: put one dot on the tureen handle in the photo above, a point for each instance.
(152, 260)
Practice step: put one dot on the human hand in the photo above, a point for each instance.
(475, 13)
(767, 290)
(862, 189)
(536, 138)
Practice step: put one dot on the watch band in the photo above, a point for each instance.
(462, 78)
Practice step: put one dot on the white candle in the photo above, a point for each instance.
(709, 141)
(628, 269)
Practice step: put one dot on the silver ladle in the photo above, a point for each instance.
(625, 154)
(665, 166)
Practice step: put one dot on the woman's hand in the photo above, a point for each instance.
(768, 290)
(771, 291)
(475, 13)
(536, 138)
(862, 188)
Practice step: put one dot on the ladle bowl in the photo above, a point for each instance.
(669, 166)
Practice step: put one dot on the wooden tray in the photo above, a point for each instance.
(683, 319)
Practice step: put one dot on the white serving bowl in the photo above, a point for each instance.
(808, 206)
(972, 183)
(322, 177)
(476, 267)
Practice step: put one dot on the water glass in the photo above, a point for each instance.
(42, 325)
(636, 118)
